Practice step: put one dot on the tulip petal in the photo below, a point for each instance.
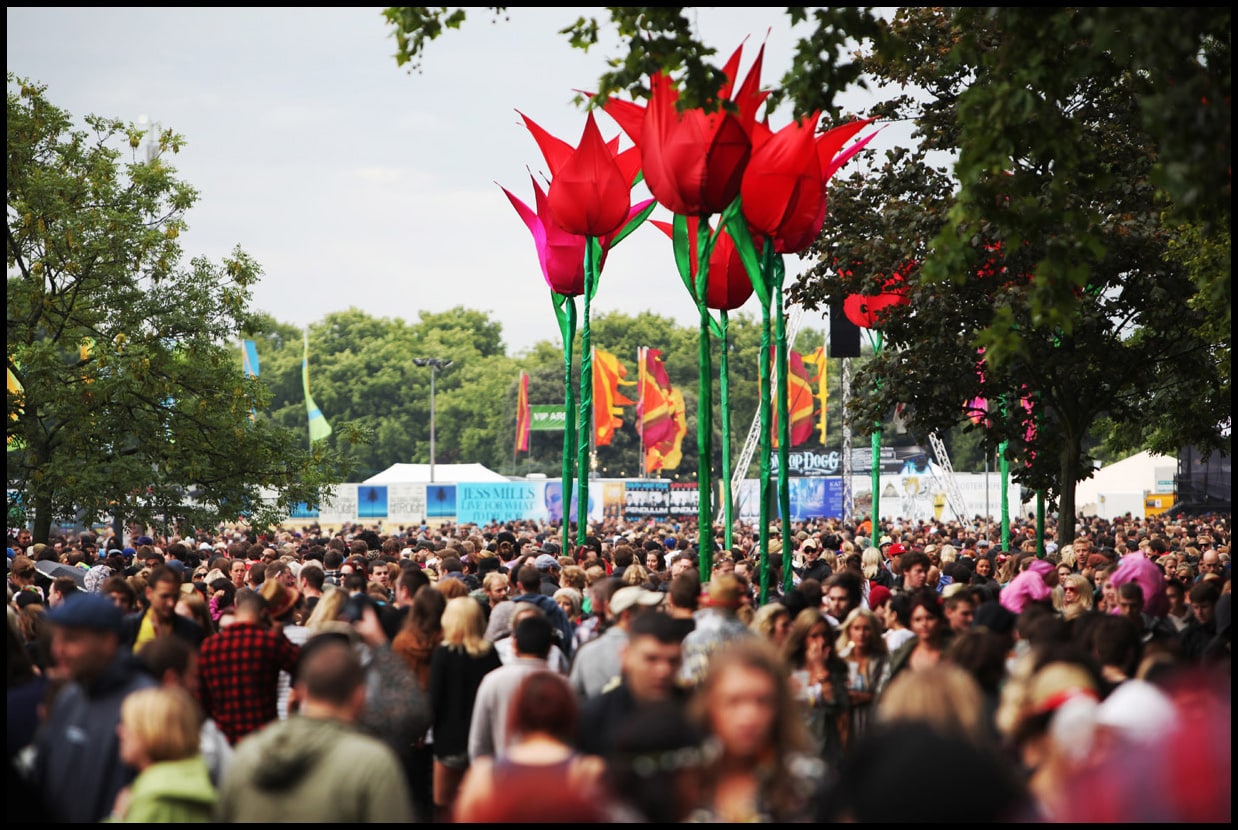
(589, 195)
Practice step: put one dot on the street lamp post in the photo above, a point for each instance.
(436, 365)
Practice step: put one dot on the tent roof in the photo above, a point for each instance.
(1134, 474)
(419, 473)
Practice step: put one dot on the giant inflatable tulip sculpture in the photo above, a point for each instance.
(587, 211)
(693, 164)
(781, 211)
(766, 188)
(728, 287)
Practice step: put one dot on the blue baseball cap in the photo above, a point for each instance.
(86, 610)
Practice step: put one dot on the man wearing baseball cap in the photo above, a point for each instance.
(600, 660)
(77, 765)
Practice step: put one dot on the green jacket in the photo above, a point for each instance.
(313, 770)
(171, 792)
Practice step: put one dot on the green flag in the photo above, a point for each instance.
(318, 426)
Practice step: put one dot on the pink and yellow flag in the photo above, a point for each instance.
(523, 414)
(608, 376)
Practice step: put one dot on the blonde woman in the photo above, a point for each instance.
(457, 667)
(870, 562)
(944, 696)
(328, 608)
(1073, 596)
(773, 622)
(635, 574)
(948, 555)
(570, 600)
(1066, 556)
(862, 648)
(159, 737)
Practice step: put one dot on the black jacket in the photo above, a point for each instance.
(182, 627)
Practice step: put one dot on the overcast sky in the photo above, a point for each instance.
(353, 182)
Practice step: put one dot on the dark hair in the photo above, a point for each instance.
(412, 579)
(927, 599)
(544, 702)
(425, 615)
(910, 749)
(656, 624)
(685, 590)
(533, 635)
(1116, 642)
(952, 601)
(315, 577)
(982, 653)
(850, 582)
(258, 572)
(529, 579)
(623, 556)
(330, 669)
(900, 604)
(1206, 592)
(119, 585)
(355, 582)
(164, 653)
(1130, 590)
(912, 558)
(162, 573)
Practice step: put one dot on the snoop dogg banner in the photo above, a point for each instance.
(830, 462)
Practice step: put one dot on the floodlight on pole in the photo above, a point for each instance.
(436, 364)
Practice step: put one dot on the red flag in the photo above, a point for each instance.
(670, 453)
(814, 364)
(523, 414)
(608, 401)
(799, 401)
(654, 422)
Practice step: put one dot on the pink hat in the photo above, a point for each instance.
(1025, 588)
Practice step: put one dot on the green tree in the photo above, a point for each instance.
(1139, 357)
(132, 401)
(362, 372)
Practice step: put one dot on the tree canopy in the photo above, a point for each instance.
(126, 399)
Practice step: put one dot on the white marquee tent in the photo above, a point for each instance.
(1121, 487)
(420, 473)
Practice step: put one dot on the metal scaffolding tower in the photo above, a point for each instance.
(950, 484)
(848, 495)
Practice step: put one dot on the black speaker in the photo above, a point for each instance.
(844, 334)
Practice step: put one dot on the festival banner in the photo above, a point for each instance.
(522, 413)
(372, 501)
(608, 375)
(440, 502)
(341, 506)
(546, 417)
(406, 503)
(829, 462)
(684, 500)
(646, 499)
(484, 503)
(612, 499)
(551, 506)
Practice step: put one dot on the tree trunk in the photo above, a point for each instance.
(1066, 484)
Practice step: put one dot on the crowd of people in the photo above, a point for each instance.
(928, 671)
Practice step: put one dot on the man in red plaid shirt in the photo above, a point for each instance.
(239, 669)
